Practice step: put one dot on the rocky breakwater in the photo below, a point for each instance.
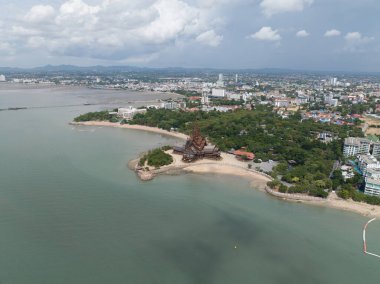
(144, 175)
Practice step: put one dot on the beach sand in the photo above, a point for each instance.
(229, 165)
(136, 127)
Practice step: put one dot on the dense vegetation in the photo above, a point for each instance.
(156, 158)
(97, 116)
(304, 162)
(219, 102)
(187, 93)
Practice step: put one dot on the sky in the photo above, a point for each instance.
(324, 35)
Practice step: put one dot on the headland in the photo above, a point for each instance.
(229, 165)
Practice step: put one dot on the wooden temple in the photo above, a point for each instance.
(196, 147)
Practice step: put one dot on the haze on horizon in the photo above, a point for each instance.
(293, 34)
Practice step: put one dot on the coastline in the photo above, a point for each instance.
(229, 165)
(134, 126)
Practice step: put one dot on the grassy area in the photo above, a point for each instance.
(156, 158)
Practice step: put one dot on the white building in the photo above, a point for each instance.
(205, 100)
(220, 82)
(368, 162)
(2, 78)
(333, 81)
(300, 100)
(173, 105)
(129, 113)
(372, 186)
(235, 96)
(372, 182)
(329, 99)
(281, 102)
(218, 93)
(354, 146)
(376, 150)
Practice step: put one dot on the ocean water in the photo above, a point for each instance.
(72, 212)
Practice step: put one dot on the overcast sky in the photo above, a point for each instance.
(341, 35)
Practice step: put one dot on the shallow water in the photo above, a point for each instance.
(72, 212)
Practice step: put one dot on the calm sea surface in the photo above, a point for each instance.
(72, 212)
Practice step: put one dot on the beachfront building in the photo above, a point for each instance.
(376, 150)
(372, 186)
(196, 147)
(347, 172)
(173, 105)
(367, 162)
(355, 145)
(244, 155)
(129, 113)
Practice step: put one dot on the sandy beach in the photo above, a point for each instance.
(135, 127)
(229, 165)
(333, 201)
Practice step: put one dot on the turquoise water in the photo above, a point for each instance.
(71, 212)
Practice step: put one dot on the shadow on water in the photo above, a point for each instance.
(200, 255)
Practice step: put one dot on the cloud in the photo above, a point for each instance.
(332, 33)
(302, 33)
(272, 7)
(357, 37)
(356, 42)
(210, 38)
(6, 48)
(40, 13)
(266, 34)
(114, 29)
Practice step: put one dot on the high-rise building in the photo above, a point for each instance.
(372, 182)
(376, 150)
(333, 81)
(205, 99)
(354, 146)
(220, 82)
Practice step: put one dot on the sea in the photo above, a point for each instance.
(72, 212)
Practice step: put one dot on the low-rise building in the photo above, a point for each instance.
(218, 93)
(281, 102)
(242, 154)
(173, 105)
(129, 113)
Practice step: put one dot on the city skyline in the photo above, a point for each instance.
(240, 34)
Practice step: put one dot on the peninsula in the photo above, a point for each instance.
(229, 164)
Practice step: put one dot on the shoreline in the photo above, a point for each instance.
(133, 126)
(229, 165)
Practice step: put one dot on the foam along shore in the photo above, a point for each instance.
(135, 127)
(229, 165)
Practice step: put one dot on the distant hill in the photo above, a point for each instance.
(169, 70)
